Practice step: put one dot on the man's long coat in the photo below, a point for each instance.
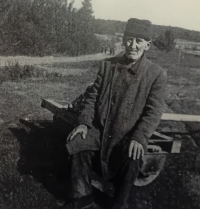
(123, 104)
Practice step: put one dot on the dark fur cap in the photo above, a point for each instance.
(138, 29)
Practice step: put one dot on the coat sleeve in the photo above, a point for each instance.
(152, 112)
(87, 114)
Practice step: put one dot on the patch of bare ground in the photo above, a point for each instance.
(33, 158)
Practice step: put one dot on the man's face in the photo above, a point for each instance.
(135, 47)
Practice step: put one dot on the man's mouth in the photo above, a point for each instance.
(132, 52)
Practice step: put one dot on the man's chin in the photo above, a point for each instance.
(132, 57)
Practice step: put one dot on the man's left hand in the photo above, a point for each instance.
(136, 150)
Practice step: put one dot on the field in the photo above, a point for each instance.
(32, 153)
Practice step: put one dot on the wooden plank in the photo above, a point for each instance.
(176, 147)
(160, 140)
(52, 106)
(55, 107)
(180, 117)
(157, 153)
(162, 136)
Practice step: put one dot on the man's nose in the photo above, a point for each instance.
(133, 43)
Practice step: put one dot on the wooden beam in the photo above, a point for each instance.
(176, 147)
(52, 106)
(55, 107)
(162, 136)
(180, 117)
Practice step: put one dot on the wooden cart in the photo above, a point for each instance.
(159, 145)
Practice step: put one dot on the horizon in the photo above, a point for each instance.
(179, 13)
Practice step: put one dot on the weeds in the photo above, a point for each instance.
(17, 72)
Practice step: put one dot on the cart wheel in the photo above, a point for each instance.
(152, 166)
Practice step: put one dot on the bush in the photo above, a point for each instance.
(165, 42)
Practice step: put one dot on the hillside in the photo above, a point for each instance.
(112, 27)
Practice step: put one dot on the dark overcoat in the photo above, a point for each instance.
(123, 104)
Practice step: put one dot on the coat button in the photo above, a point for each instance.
(112, 102)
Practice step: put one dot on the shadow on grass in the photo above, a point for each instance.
(43, 155)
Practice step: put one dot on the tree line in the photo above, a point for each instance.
(46, 27)
(43, 27)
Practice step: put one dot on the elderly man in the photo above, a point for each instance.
(121, 112)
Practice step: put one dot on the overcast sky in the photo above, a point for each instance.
(180, 13)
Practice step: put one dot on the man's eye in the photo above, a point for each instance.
(138, 40)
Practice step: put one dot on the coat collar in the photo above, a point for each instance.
(124, 64)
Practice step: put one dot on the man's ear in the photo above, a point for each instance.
(148, 44)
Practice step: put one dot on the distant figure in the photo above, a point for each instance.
(106, 48)
(111, 50)
(102, 49)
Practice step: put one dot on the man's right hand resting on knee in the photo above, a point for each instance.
(81, 129)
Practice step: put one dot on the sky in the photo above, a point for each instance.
(178, 13)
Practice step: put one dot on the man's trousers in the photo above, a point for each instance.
(81, 171)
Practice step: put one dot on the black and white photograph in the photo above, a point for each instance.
(99, 104)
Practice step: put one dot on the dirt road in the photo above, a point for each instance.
(23, 60)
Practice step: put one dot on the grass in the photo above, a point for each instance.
(22, 192)
(16, 72)
(32, 159)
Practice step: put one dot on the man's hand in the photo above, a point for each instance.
(81, 129)
(135, 150)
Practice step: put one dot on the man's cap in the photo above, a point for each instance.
(138, 29)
